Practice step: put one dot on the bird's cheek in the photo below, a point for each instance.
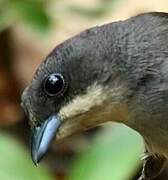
(69, 127)
(78, 123)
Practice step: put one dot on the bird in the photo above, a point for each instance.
(115, 72)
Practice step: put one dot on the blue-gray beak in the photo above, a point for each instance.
(42, 137)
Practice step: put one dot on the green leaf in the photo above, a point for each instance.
(115, 155)
(16, 164)
(31, 13)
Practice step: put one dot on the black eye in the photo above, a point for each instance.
(54, 84)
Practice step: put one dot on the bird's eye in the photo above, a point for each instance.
(54, 84)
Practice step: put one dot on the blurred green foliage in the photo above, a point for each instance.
(115, 155)
(96, 12)
(31, 13)
(15, 164)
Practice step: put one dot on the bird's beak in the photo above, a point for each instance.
(42, 137)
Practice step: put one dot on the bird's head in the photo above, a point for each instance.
(75, 88)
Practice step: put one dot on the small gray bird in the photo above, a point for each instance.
(115, 72)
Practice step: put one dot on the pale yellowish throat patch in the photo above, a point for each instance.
(98, 105)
